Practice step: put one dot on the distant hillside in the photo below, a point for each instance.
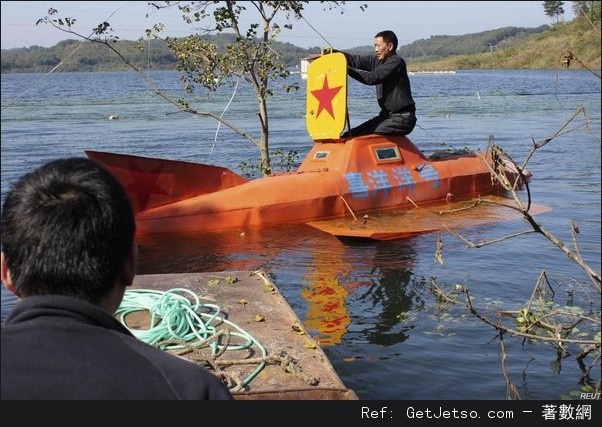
(509, 47)
(439, 47)
(146, 55)
(575, 44)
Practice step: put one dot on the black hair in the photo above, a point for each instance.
(67, 229)
(389, 37)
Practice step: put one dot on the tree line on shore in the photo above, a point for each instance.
(154, 54)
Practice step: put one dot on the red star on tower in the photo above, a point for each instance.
(325, 97)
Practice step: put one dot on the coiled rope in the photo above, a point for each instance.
(180, 322)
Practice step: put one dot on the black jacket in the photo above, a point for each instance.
(58, 347)
(390, 77)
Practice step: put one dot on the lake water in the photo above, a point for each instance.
(369, 304)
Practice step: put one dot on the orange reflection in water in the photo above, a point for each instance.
(327, 314)
(327, 270)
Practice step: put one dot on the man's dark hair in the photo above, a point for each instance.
(67, 229)
(389, 37)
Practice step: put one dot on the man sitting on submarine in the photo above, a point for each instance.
(388, 72)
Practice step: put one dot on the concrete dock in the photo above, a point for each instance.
(283, 363)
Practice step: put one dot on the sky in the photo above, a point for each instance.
(410, 20)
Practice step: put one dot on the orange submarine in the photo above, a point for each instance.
(354, 180)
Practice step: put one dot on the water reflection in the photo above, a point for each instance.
(326, 290)
(344, 288)
(392, 292)
(386, 298)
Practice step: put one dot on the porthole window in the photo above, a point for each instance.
(387, 153)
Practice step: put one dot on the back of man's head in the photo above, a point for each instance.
(67, 229)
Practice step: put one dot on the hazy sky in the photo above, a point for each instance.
(410, 20)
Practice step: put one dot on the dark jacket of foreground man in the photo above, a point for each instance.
(70, 349)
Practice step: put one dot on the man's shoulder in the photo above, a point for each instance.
(395, 58)
(181, 371)
(157, 355)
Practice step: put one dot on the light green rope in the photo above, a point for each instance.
(177, 314)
